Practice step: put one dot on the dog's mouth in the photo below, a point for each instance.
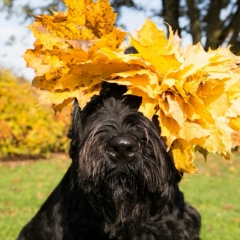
(121, 173)
(125, 177)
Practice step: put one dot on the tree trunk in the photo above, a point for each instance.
(193, 14)
(231, 32)
(171, 14)
(213, 30)
(236, 29)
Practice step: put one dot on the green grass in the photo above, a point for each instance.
(23, 188)
(214, 191)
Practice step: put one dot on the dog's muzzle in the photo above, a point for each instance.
(122, 147)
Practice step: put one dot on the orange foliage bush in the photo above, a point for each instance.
(26, 128)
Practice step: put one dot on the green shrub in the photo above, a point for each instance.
(27, 129)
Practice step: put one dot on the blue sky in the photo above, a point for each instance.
(11, 56)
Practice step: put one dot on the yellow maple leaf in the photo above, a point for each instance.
(234, 123)
(191, 131)
(183, 155)
(155, 48)
(148, 106)
(99, 17)
(175, 107)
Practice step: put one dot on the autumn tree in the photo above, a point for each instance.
(213, 22)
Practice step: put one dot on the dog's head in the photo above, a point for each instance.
(119, 152)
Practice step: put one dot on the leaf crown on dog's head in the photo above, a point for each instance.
(194, 93)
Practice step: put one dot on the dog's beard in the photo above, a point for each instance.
(115, 184)
(117, 197)
(125, 186)
(120, 192)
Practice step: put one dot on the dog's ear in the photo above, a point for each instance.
(112, 90)
(75, 130)
(76, 119)
(131, 50)
(156, 123)
(132, 101)
(76, 126)
(117, 92)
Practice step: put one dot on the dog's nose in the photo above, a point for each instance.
(122, 147)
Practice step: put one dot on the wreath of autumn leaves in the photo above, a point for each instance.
(196, 94)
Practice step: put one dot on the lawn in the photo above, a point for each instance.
(214, 191)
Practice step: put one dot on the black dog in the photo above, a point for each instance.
(121, 185)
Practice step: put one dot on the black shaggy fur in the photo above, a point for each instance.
(122, 183)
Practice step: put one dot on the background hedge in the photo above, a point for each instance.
(26, 128)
